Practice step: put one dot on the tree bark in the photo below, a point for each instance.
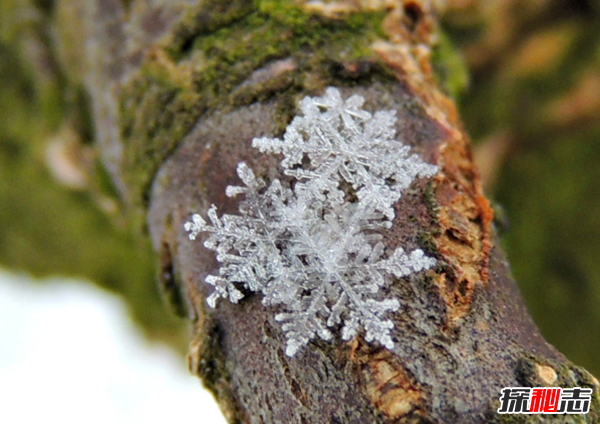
(178, 90)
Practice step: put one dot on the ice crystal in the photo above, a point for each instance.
(311, 242)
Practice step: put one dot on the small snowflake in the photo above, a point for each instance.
(314, 246)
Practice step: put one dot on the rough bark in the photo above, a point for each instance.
(176, 93)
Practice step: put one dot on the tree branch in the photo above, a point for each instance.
(178, 91)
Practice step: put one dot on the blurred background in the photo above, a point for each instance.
(531, 103)
(526, 76)
(69, 353)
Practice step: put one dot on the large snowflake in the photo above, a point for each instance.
(312, 242)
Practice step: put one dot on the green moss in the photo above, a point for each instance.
(433, 206)
(164, 100)
(203, 19)
(449, 66)
(512, 419)
(285, 12)
(427, 243)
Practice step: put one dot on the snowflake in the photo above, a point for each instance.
(311, 242)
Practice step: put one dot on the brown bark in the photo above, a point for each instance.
(179, 90)
(463, 332)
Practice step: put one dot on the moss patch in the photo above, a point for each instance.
(449, 67)
(204, 64)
